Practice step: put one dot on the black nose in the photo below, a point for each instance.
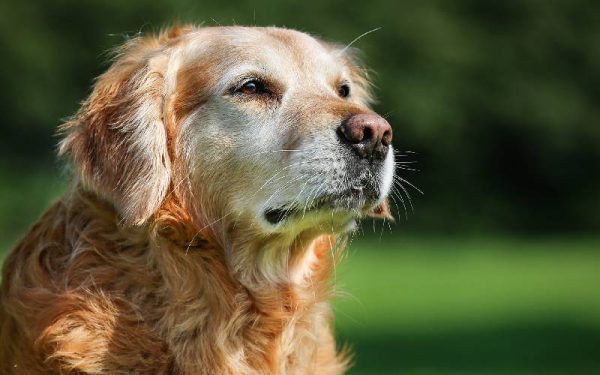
(368, 134)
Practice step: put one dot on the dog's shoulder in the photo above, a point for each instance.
(72, 298)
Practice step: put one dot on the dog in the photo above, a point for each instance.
(215, 172)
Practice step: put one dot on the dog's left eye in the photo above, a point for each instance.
(253, 86)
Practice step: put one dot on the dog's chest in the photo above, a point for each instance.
(275, 339)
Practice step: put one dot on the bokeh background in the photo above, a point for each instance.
(497, 270)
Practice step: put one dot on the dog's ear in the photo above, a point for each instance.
(117, 140)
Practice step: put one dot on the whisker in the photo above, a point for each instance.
(400, 180)
(406, 193)
(357, 39)
(397, 193)
(406, 168)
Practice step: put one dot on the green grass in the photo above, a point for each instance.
(480, 306)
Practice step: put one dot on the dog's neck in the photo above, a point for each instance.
(250, 256)
(273, 288)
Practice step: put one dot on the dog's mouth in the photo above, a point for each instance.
(355, 201)
(275, 216)
(278, 215)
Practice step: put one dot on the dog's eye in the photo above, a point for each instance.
(344, 90)
(253, 86)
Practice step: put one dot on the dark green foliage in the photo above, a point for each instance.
(498, 98)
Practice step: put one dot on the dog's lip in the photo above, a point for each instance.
(278, 214)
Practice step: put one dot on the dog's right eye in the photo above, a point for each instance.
(344, 90)
(252, 87)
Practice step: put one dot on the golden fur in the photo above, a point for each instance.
(140, 268)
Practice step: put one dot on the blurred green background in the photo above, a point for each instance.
(497, 271)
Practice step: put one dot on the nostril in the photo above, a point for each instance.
(367, 134)
(352, 132)
(386, 140)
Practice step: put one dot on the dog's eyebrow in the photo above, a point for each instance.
(239, 73)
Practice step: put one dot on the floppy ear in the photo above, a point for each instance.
(117, 141)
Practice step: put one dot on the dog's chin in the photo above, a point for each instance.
(332, 211)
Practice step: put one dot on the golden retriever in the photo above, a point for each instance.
(213, 170)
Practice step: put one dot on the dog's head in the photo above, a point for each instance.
(266, 128)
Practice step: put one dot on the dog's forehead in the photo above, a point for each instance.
(273, 49)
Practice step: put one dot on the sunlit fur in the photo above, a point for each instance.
(157, 259)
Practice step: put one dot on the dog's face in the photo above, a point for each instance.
(272, 138)
(268, 128)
